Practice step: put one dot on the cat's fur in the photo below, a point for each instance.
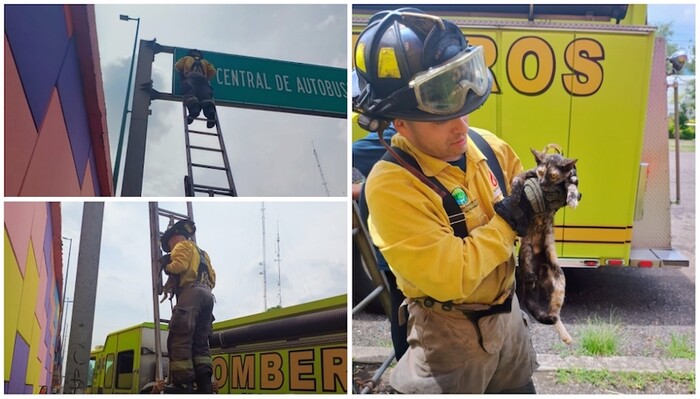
(540, 281)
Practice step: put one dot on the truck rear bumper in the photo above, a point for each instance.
(658, 258)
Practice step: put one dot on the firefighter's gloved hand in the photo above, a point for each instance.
(164, 261)
(544, 199)
(517, 212)
(535, 200)
(169, 288)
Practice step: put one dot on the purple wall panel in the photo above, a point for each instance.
(7, 387)
(38, 37)
(70, 91)
(95, 180)
(28, 388)
(18, 372)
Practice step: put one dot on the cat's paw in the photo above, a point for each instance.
(572, 199)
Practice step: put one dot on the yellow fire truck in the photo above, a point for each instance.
(591, 78)
(297, 349)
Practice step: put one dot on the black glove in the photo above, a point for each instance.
(533, 201)
(164, 261)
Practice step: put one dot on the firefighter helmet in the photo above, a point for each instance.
(415, 66)
(183, 228)
(194, 53)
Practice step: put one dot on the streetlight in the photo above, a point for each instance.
(115, 176)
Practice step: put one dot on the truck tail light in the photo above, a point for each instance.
(590, 262)
(614, 262)
(646, 263)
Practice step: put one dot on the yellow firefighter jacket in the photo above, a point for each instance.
(409, 224)
(184, 66)
(184, 260)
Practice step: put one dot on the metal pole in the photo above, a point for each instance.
(677, 135)
(117, 162)
(155, 277)
(83, 318)
(61, 321)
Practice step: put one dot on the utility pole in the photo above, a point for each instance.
(279, 272)
(264, 272)
(84, 295)
(323, 178)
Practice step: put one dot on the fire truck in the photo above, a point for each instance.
(296, 349)
(591, 78)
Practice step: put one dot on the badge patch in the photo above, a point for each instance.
(460, 196)
(494, 184)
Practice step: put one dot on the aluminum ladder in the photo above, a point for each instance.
(191, 188)
(155, 213)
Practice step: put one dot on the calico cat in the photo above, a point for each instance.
(540, 282)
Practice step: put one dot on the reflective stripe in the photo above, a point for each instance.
(202, 360)
(388, 65)
(181, 365)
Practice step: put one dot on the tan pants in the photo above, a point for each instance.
(448, 353)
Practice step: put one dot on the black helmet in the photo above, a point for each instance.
(183, 228)
(414, 66)
(195, 53)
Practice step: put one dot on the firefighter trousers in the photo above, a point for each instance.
(189, 332)
(198, 96)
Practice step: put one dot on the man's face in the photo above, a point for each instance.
(443, 140)
(174, 240)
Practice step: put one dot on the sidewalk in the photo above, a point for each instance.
(548, 362)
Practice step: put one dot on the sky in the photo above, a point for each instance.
(271, 153)
(313, 256)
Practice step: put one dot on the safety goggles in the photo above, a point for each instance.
(443, 90)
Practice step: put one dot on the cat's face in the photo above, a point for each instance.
(552, 169)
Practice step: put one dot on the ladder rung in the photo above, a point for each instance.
(196, 147)
(200, 132)
(204, 119)
(208, 166)
(202, 188)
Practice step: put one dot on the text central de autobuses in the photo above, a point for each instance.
(282, 83)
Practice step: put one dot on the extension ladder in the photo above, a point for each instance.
(190, 186)
(155, 213)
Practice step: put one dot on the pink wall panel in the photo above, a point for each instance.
(18, 221)
(37, 236)
(20, 133)
(52, 154)
(88, 188)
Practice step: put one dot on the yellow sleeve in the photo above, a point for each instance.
(212, 274)
(180, 258)
(409, 225)
(180, 64)
(211, 71)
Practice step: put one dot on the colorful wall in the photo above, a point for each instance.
(56, 140)
(33, 284)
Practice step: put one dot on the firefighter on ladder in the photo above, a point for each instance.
(197, 94)
(191, 279)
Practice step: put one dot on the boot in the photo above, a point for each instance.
(190, 119)
(179, 388)
(204, 384)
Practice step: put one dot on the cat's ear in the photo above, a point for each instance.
(569, 163)
(539, 156)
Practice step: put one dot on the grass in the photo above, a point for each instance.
(629, 380)
(599, 338)
(679, 347)
(686, 145)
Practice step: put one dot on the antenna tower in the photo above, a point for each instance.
(323, 178)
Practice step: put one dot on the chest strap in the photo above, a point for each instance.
(454, 212)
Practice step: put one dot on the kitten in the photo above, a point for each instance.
(540, 281)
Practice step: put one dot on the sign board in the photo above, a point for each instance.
(274, 85)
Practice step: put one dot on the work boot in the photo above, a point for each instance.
(190, 119)
(211, 123)
(179, 388)
(204, 384)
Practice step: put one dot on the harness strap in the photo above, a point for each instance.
(202, 269)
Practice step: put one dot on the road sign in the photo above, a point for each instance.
(275, 85)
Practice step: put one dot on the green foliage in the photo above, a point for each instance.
(679, 347)
(599, 338)
(630, 380)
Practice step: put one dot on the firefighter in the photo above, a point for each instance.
(466, 333)
(191, 322)
(197, 94)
